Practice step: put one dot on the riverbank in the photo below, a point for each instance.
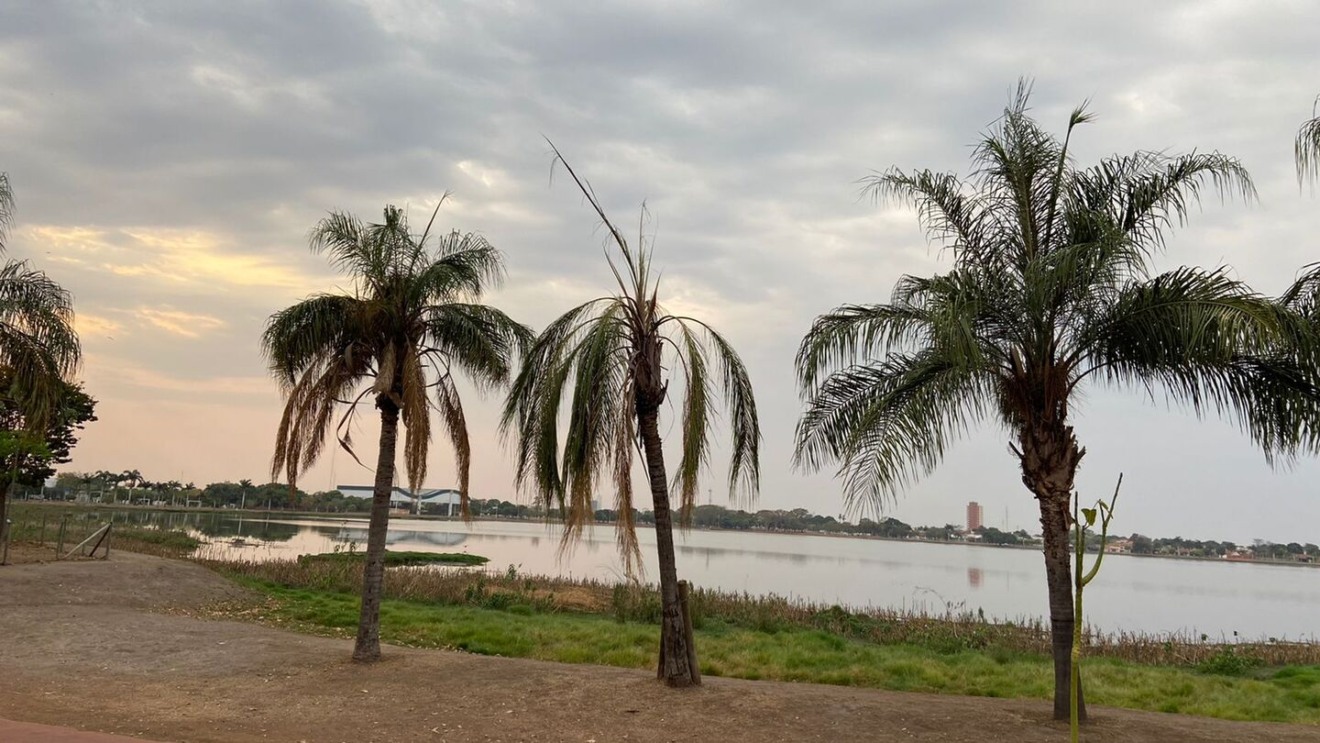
(512, 615)
(332, 517)
(142, 646)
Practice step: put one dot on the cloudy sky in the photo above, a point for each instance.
(169, 158)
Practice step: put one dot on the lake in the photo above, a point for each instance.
(1144, 594)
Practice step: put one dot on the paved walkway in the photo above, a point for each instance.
(26, 732)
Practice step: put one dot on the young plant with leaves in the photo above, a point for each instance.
(410, 324)
(1052, 288)
(613, 356)
(1083, 519)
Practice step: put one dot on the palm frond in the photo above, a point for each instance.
(1147, 192)
(455, 425)
(887, 423)
(851, 331)
(479, 339)
(1210, 342)
(416, 414)
(38, 344)
(464, 266)
(6, 209)
(1307, 148)
(300, 335)
(740, 407)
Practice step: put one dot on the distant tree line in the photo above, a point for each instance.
(131, 487)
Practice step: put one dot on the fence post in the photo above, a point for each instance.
(59, 545)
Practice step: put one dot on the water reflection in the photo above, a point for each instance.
(346, 536)
(1206, 596)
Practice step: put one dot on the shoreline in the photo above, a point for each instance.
(354, 516)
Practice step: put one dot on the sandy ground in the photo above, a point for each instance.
(124, 647)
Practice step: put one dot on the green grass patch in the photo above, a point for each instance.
(793, 654)
(400, 559)
(173, 539)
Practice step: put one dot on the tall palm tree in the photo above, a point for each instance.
(39, 349)
(132, 478)
(615, 352)
(1051, 288)
(407, 327)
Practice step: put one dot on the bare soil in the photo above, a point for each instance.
(124, 646)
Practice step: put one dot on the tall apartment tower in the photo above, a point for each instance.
(975, 519)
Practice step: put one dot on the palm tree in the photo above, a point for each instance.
(132, 478)
(39, 348)
(615, 352)
(246, 485)
(1051, 288)
(407, 327)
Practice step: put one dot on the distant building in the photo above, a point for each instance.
(405, 499)
(975, 519)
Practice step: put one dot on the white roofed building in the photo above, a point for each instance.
(448, 498)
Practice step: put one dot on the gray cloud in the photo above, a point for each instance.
(172, 156)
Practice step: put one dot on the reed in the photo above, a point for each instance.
(948, 631)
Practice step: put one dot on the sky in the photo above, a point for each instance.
(168, 160)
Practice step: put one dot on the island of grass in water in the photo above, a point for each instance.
(399, 558)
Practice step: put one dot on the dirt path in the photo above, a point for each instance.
(116, 647)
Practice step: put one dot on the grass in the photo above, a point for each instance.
(170, 539)
(946, 633)
(401, 559)
(525, 629)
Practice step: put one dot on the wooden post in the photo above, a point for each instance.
(105, 535)
(685, 600)
(98, 533)
(660, 668)
(59, 544)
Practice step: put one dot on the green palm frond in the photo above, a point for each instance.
(1307, 148)
(464, 266)
(887, 423)
(305, 333)
(1210, 342)
(6, 209)
(1146, 193)
(1303, 296)
(38, 344)
(740, 412)
(479, 339)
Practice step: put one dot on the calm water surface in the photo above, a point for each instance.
(1132, 593)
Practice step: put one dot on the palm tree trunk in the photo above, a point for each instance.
(674, 667)
(1049, 457)
(1058, 575)
(367, 647)
(4, 516)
